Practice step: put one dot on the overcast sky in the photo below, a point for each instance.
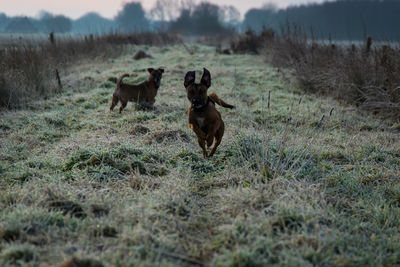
(109, 8)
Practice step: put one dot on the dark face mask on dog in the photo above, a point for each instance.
(197, 92)
(155, 76)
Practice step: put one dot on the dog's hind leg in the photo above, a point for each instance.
(114, 102)
(123, 105)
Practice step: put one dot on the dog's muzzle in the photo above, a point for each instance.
(196, 102)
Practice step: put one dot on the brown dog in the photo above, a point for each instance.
(204, 119)
(144, 94)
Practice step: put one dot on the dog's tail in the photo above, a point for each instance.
(219, 101)
(120, 79)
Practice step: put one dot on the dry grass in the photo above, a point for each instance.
(293, 182)
(35, 70)
(365, 74)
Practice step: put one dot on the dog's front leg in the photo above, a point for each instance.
(218, 137)
(123, 105)
(202, 144)
(196, 129)
(201, 137)
(114, 102)
(211, 134)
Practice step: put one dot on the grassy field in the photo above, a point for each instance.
(297, 180)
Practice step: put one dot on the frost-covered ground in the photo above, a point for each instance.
(297, 180)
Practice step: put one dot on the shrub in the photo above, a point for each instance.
(367, 74)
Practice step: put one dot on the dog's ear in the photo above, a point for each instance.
(189, 78)
(161, 70)
(206, 79)
(150, 70)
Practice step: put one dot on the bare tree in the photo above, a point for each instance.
(229, 15)
(164, 11)
(188, 5)
(201, 19)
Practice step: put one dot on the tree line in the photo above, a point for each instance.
(178, 16)
(342, 19)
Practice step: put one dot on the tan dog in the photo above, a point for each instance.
(204, 119)
(143, 94)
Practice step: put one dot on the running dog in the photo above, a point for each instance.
(143, 94)
(204, 119)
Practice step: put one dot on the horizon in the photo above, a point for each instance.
(109, 9)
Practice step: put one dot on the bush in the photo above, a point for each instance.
(367, 75)
(250, 42)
